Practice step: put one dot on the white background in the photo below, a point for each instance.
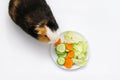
(24, 58)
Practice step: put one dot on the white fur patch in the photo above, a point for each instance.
(53, 36)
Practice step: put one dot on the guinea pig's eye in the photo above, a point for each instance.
(45, 35)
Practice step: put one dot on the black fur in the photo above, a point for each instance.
(36, 11)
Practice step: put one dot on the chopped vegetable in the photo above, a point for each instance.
(71, 37)
(78, 55)
(71, 54)
(68, 37)
(71, 51)
(61, 48)
(69, 46)
(68, 63)
(61, 61)
(58, 42)
(62, 55)
(80, 62)
(78, 47)
(66, 50)
(84, 48)
(59, 52)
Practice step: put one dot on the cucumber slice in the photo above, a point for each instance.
(59, 53)
(61, 48)
(61, 61)
(62, 55)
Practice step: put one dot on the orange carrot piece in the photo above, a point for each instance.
(58, 42)
(71, 54)
(68, 63)
(69, 46)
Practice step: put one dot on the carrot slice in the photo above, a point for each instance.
(58, 42)
(68, 63)
(71, 54)
(69, 46)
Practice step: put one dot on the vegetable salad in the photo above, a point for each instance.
(71, 51)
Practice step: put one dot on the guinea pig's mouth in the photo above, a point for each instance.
(52, 35)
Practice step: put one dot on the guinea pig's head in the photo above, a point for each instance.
(47, 31)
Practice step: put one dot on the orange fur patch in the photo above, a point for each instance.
(43, 39)
(42, 34)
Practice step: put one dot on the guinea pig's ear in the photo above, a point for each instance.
(43, 23)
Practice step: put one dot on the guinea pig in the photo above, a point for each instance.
(34, 17)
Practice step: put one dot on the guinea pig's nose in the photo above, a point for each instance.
(52, 35)
(55, 37)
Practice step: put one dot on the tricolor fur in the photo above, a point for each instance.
(34, 17)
